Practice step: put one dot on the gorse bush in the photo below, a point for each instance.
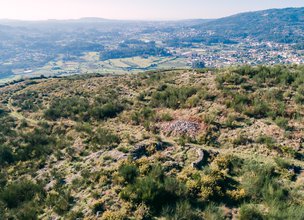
(261, 183)
(181, 211)
(250, 212)
(156, 190)
(129, 172)
(108, 110)
(299, 98)
(15, 194)
(7, 127)
(28, 101)
(68, 107)
(6, 155)
(60, 201)
(36, 144)
(144, 115)
(79, 108)
(104, 138)
(258, 91)
(172, 97)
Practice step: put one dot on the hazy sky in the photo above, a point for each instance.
(134, 9)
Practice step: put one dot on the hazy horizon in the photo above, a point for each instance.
(33, 10)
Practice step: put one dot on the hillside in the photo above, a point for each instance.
(178, 144)
(279, 25)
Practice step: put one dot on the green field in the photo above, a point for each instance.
(90, 63)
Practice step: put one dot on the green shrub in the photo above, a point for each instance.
(212, 212)
(6, 155)
(282, 122)
(282, 163)
(144, 116)
(172, 97)
(28, 101)
(98, 207)
(60, 202)
(28, 211)
(166, 117)
(268, 141)
(180, 211)
(156, 190)
(241, 140)
(2, 112)
(129, 172)
(299, 98)
(260, 183)
(250, 212)
(104, 138)
(286, 211)
(14, 194)
(36, 144)
(73, 107)
(108, 110)
(230, 78)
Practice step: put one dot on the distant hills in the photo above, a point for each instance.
(34, 44)
(280, 25)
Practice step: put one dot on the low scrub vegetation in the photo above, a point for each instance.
(173, 144)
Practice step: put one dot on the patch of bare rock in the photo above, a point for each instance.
(181, 127)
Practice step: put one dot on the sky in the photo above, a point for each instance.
(134, 9)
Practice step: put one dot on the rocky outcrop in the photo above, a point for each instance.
(203, 156)
(200, 159)
(181, 127)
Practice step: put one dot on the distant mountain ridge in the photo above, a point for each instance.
(280, 25)
(33, 44)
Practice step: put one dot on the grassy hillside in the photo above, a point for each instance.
(178, 144)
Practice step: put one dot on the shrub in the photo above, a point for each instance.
(214, 186)
(114, 215)
(28, 211)
(72, 107)
(282, 163)
(14, 194)
(261, 184)
(282, 122)
(35, 145)
(212, 212)
(98, 206)
(104, 138)
(239, 102)
(166, 117)
(180, 211)
(143, 116)
(2, 112)
(60, 201)
(230, 78)
(250, 212)
(7, 125)
(28, 101)
(155, 190)
(241, 140)
(108, 110)
(172, 97)
(268, 141)
(299, 98)
(286, 211)
(129, 172)
(6, 155)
